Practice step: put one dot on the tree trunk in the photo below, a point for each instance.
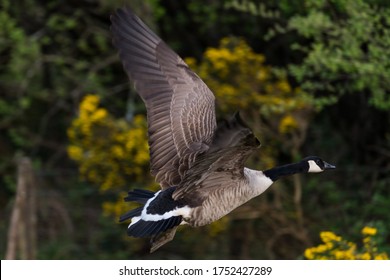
(22, 230)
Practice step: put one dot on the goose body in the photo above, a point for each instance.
(198, 163)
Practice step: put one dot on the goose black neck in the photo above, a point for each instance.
(286, 170)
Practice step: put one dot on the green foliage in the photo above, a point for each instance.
(350, 45)
(345, 46)
(43, 72)
(349, 50)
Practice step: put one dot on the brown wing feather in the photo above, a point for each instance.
(180, 107)
(222, 165)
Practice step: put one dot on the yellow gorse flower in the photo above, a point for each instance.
(89, 103)
(328, 236)
(75, 152)
(110, 152)
(369, 231)
(287, 124)
(334, 247)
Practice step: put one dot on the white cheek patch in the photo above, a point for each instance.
(313, 167)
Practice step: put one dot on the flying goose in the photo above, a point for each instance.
(198, 163)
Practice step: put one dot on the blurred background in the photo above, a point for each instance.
(311, 77)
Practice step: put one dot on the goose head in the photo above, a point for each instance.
(315, 164)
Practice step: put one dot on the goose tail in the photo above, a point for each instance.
(149, 220)
(137, 195)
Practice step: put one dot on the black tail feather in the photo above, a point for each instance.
(133, 213)
(138, 195)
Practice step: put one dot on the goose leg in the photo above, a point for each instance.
(160, 239)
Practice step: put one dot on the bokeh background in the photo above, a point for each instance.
(311, 77)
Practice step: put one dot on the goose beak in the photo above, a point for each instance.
(328, 166)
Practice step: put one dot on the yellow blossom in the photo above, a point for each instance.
(89, 103)
(369, 231)
(75, 152)
(99, 114)
(365, 256)
(287, 124)
(328, 236)
(367, 239)
(382, 256)
(284, 86)
(118, 151)
(309, 254)
(109, 151)
(335, 247)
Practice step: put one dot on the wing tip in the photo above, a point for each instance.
(120, 16)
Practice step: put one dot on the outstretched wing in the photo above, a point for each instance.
(180, 107)
(222, 165)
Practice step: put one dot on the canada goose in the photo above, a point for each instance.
(199, 164)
